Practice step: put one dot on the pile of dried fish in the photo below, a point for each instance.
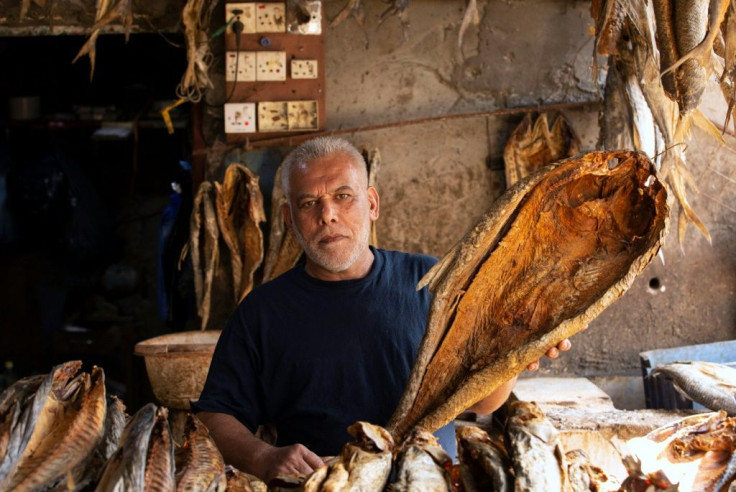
(532, 146)
(710, 384)
(694, 453)
(55, 430)
(226, 242)
(661, 56)
(552, 253)
(60, 431)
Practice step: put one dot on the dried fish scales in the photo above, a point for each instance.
(159, 470)
(549, 256)
(199, 464)
(23, 431)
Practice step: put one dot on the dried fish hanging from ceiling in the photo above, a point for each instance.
(661, 56)
(107, 13)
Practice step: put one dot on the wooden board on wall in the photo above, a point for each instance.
(297, 47)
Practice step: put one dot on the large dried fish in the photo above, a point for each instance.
(364, 464)
(665, 37)
(106, 14)
(697, 453)
(67, 429)
(159, 472)
(535, 449)
(532, 146)
(34, 410)
(199, 464)
(550, 255)
(204, 248)
(126, 468)
(484, 465)
(283, 248)
(584, 476)
(239, 215)
(12, 402)
(88, 472)
(710, 384)
(422, 465)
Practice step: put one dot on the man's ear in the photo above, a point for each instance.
(375, 202)
(286, 213)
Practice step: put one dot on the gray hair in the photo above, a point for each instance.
(314, 149)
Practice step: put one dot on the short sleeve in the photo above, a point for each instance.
(232, 386)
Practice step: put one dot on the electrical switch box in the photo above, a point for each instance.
(240, 66)
(270, 17)
(243, 12)
(302, 115)
(274, 70)
(240, 117)
(270, 65)
(303, 69)
(273, 116)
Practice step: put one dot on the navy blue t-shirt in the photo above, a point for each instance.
(313, 356)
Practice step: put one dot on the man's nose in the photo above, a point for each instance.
(328, 211)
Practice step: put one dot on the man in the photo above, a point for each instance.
(331, 341)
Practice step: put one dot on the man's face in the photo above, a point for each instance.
(330, 211)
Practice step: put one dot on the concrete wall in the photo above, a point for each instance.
(438, 177)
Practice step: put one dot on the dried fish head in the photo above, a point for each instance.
(484, 464)
(422, 464)
(548, 257)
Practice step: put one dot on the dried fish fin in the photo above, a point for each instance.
(678, 179)
(471, 15)
(703, 50)
(704, 123)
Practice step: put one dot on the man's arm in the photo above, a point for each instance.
(246, 452)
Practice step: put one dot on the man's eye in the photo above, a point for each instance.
(307, 204)
(342, 196)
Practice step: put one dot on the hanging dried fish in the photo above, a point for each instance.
(283, 248)
(665, 35)
(204, 248)
(63, 433)
(240, 212)
(532, 146)
(373, 163)
(106, 14)
(550, 255)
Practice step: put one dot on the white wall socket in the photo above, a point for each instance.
(303, 69)
(245, 61)
(240, 117)
(270, 17)
(304, 17)
(302, 115)
(247, 16)
(270, 65)
(272, 116)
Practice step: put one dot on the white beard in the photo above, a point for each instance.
(344, 259)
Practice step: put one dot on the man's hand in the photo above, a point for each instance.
(554, 352)
(288, 461)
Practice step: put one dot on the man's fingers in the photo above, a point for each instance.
(564, 345)
(553, 353)
(313, 460)
(533, 366)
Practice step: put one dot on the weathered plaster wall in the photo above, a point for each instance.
(439, 176)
